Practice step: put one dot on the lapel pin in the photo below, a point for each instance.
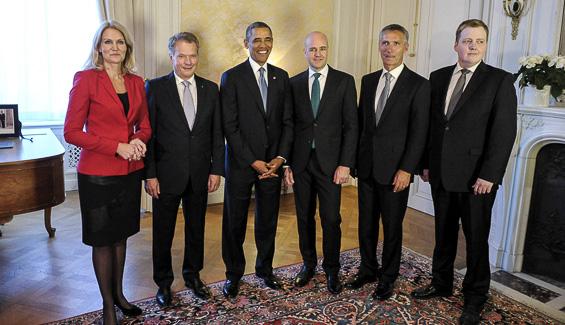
(274, 77)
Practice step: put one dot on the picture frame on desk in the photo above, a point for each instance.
(9, 122)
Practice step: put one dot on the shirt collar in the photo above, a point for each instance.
(458, 67)
(179, 80)
(324, 71)
(394, 72)
(256, 66)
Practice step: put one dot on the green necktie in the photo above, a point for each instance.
(315, 96)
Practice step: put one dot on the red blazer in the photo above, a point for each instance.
(96, 122)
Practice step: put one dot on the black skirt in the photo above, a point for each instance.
(110, 207)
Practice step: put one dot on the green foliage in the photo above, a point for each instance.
(541, 71)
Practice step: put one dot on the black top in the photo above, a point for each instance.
(125, 102)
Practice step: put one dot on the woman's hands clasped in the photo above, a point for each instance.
(134, 150)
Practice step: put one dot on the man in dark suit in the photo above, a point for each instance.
(185, 158)
(394, 116)
(325, 133)
(257, 120)
(473, 126)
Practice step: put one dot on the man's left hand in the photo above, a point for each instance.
(482, 186)
(273, 166)
(401, 180)
(341, 175)
(213, 183)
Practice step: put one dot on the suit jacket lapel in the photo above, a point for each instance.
(176, 106)
(476, 80)
(129, 87)
(304, 94)
(272, 93)
(107, 85)
(200, 97)
(329, 87)
(398, 89)
(369, 98)
(251, 82)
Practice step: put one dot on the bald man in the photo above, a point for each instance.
(325, 133)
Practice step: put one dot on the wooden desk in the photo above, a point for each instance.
(31, 174)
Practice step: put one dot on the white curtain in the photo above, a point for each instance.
(130, 14)
(43, 44)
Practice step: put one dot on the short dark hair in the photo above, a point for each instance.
(394, 28)
(182, 36)
(470, 23)
(257, 24)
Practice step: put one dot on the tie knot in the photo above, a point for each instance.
(388, 76)
(317, 75)
(186, 83)
(465, 71)
(261, 70)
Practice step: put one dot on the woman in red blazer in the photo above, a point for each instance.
(107, 117)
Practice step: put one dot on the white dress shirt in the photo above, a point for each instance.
(454, 77)
(255, 66)
(192, 87)
(382, 80)
(321, 79)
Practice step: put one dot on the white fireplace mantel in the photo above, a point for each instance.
(537, 127)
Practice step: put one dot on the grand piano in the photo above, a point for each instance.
(31, 174)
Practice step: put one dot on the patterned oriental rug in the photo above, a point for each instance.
(313, 304)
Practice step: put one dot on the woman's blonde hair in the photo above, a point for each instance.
(95, 60)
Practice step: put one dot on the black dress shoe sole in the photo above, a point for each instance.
(302, 281)
(335, 291)
(431, 296)
(232, 291)
(273, 286)
(163, 304)
(382, 297)
(197, 293)
(131, 312)
(359, 284)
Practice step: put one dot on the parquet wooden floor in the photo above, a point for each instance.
(44, 279)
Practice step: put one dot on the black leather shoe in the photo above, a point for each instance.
(304, 276)
(429, 291)
(360, 280)
(164, 297)
(131, 311)
(334, 285)
(470, 316)
(272, 281)
(198, 287)
(384, 291)
(231, 288)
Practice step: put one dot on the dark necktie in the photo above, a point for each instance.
(382, 99)
(315, 96)
(263, 87)
(457, 92)
(188, 104)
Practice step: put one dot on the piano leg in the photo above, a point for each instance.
(50, 230)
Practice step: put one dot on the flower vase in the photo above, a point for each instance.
(560, 101)
(536, 97)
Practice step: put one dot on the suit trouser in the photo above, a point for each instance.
(475, 213)
(164, 219)
(379, 202)
(237, 196)
(308, 185)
